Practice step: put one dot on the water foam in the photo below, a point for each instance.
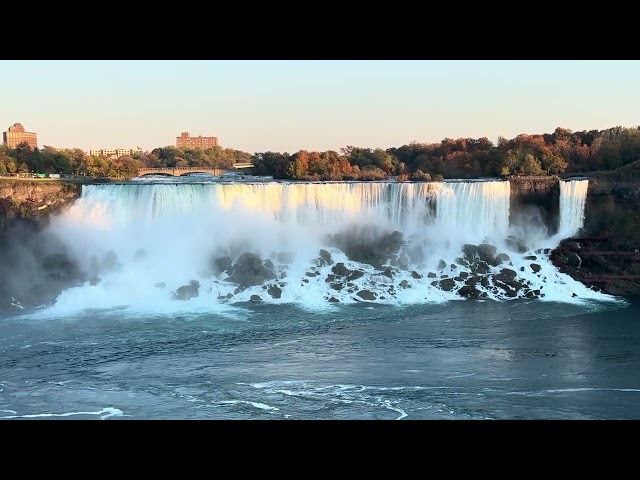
(144, 241)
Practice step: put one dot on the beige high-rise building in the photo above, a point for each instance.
(187, 141)
(16, 134)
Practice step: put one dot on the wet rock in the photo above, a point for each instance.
(336, 285)
(326, 257)
(507, 273)
(453, 267)
(447, 284)
(501, 258)
(187, 292)
(387, 272)
(573, 259)
(510, 292)
(442, 265)
(368, 244)
(462, 262)
(612, 289)
(334, 300)
(570, 244)
(472, 280)
(469, 291)
(274, 291)
(416, 275)
(367, 295)
(223, 264)
(531, 257)
(310, 274)
(268, 264)
(255, 298)
(356, 274)
(535, 267)
(341, 270)
(249, 271)
(431, 275)
(479, 267)
(404, 284)
(60, 265)
(487, 252)
(470, 251)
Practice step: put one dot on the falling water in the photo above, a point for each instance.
(135, 237)
(573, 197)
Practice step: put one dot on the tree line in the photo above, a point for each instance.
(560, 152)
(49, 160)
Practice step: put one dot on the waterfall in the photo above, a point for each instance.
(140, 242)
(573, 197)
(468, 210)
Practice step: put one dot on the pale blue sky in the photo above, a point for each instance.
(288, 105)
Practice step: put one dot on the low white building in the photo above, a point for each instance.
(117, 152)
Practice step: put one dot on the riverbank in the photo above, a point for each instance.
(69, 180)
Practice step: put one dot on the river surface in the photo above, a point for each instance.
(463, 359)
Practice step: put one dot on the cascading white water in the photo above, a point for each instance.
(573, 198)
(169, 234)
(474, 211)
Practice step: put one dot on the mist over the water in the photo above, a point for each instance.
(143, 241)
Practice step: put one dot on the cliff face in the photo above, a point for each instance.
(535, 200)
(34, 201)
(32, 265)
(607, 255)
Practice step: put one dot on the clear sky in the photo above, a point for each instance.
(289, 105)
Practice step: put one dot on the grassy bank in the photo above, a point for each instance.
(53, 181)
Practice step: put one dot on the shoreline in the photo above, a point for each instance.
(54, 181)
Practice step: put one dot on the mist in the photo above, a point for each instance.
(135, 245)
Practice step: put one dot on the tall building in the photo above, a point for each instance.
(15, 135)
(187, 141)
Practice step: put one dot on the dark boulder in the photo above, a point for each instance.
(186, 292)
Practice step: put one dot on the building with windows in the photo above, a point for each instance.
(16, 135)
(185, 140)
(115, 152)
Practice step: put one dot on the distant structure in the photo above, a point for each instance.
(16, 134)
(114, 152)
(187, 141)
